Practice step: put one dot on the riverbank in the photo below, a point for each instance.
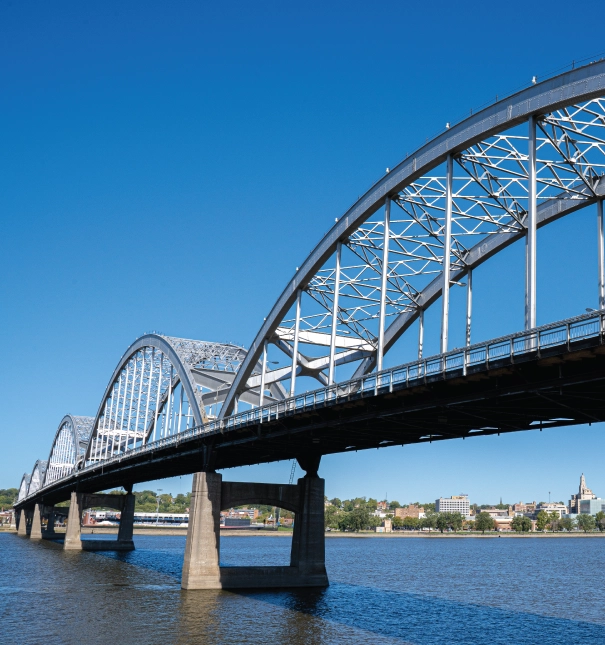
(433, 535)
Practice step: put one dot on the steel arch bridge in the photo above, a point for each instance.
(484, 183)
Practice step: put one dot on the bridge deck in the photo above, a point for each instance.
(552, 385)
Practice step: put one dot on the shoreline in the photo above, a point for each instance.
(173, 531)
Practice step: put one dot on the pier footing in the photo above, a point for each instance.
(201, 568)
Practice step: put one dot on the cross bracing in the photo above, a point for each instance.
(487, 182)
(490, 192)
(425, 220)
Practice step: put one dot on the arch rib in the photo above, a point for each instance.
(64, 461)
(581, 84)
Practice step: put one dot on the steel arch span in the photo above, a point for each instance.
(37, 477)
(69, 447)
(481, 185)
(23, 486)
(163, 386)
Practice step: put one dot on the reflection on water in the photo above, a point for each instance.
(417, 591)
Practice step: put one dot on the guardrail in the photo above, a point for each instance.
(458, 361)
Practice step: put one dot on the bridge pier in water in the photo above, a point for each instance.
(201, 566)
(22, 523)
(35, 532)
(73, 533)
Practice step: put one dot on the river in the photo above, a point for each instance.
(413, 590)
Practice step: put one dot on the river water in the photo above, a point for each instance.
(394, 590)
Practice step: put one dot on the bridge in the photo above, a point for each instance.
(176, 406)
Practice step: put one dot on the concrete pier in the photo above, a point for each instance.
(201, 568)
(72, 534)
(22, 524)
(202, 551)
(127, 523)
(36, 528)
(79, 502)
(49, 532)
(308, 542)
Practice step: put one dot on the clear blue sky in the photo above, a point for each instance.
(165, 166)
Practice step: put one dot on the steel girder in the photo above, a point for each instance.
(394, 264)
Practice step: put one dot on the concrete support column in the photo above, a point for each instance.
(22, 527)
(50, 525)
(127, 520)
(36, 529)
(201, 565)
(74, 519)
(308, 542)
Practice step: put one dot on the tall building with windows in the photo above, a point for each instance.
(591, 506)
(584, 493)
(453, 504)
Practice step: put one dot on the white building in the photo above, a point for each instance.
(550, 507)
(453, 504)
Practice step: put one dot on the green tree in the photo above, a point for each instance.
(566, 524)
(600, 520)
(542, 520)
(410, 522)
(456, 521)
(443, 521)
(357, 502)
(331, 517)
(521, 524)
(336, 502)
(398, 522)
(8, 497)
(356, 520)
(484, 522)
(586, 523)
(553, 519)
(429, 521)
(394, 504)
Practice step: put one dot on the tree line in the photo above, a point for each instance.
(8, 496)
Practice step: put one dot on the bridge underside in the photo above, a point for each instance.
(563, 385)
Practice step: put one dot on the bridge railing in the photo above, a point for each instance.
(522, 345)
(515, 346)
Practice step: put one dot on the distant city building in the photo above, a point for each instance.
(381, 513)
(584, 493)
(498, 512)
(453, 504)
(592, 506)
(411, 511)
(502, 517)
(237, 521)
(522, 508)
(382, 506)
(386, 526)
(241, 513)
(553, 507)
